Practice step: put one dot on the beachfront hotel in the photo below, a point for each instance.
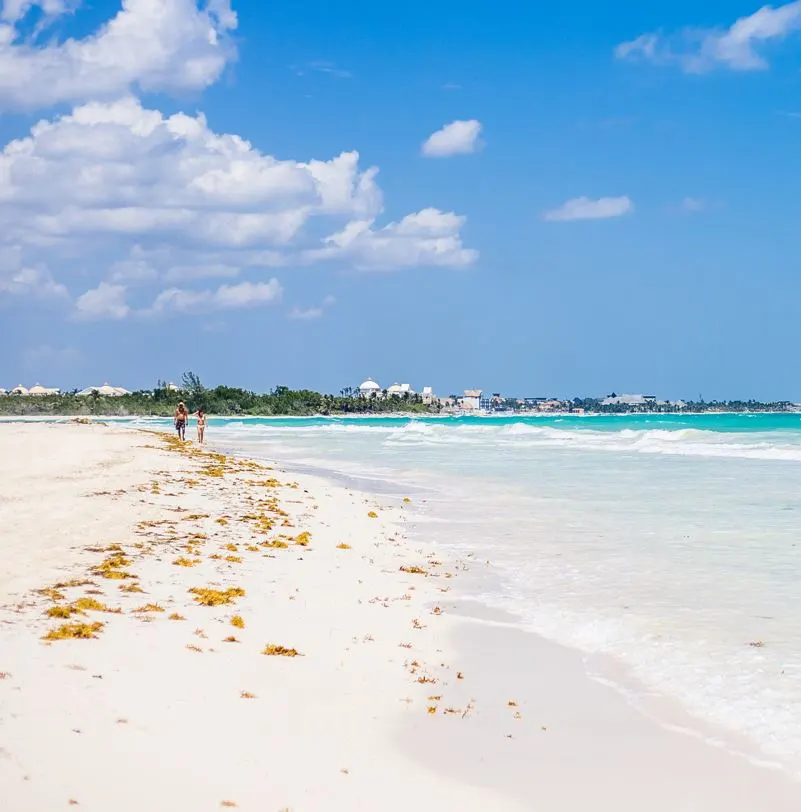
(369, 388)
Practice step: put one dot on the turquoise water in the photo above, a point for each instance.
(670, 543)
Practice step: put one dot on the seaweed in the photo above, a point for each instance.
(182, 561)
(74, 631)
(238, 622)
(273, 650)
(216, 597)
(150, 607)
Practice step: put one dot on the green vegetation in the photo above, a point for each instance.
(221, 400)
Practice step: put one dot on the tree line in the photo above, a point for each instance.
(219, 400)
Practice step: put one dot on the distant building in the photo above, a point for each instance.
(368, 388)
(37, 390)
(551, 405)
(398, 390)
(106, 390)
(471, 400)
(428, 396)
(19, 390)
(629, 400)
(172, 387)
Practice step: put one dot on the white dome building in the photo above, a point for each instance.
(38, 389)
(106, 390)
(369, 387)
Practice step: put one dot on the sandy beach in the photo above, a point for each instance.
(253, 639)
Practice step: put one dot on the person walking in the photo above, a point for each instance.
(181, 416)
(201, 426)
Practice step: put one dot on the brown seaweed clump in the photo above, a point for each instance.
(216, 597)
(74, 631)
(273, 650)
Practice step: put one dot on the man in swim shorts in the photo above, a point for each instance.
(181, 416)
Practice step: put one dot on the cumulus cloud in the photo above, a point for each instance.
(119, 169)
(166, 198)
(698, 50)
(584, 208)
(37, 283)
(226, 297)
(427, 238)
(456, 138)
(152, 45)
(311, 313)
(106, 301)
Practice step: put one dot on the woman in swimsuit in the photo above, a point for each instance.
(181, 416)
(201, 425)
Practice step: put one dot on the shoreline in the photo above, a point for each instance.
(347, 725)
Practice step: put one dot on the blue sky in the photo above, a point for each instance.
(614, 206)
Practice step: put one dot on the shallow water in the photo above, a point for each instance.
(670, 543)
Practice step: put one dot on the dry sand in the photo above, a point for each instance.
(405, 697)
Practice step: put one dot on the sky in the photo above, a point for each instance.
(534, 198)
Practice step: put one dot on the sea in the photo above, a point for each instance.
(669, 544)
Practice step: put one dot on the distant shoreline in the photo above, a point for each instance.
(44, 418)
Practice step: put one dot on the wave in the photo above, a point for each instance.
(676, 438)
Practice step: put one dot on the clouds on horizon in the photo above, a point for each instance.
(699, 50)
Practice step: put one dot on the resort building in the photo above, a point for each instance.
(398, 390)
(37, 390)
(471, 400)
(428, 396)
(369, 388)
(629, 400)
(106, 390)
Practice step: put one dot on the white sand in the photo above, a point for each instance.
(134, 720)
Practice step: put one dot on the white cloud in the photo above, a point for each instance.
(15, 10)
(584, 208)
(311, 313)
(697, 50)
(106, 301)
(226, 297)
(166, 197)
(153, 45)
(118, 169)
(456, 138)
(32, 282)
(427, 238)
